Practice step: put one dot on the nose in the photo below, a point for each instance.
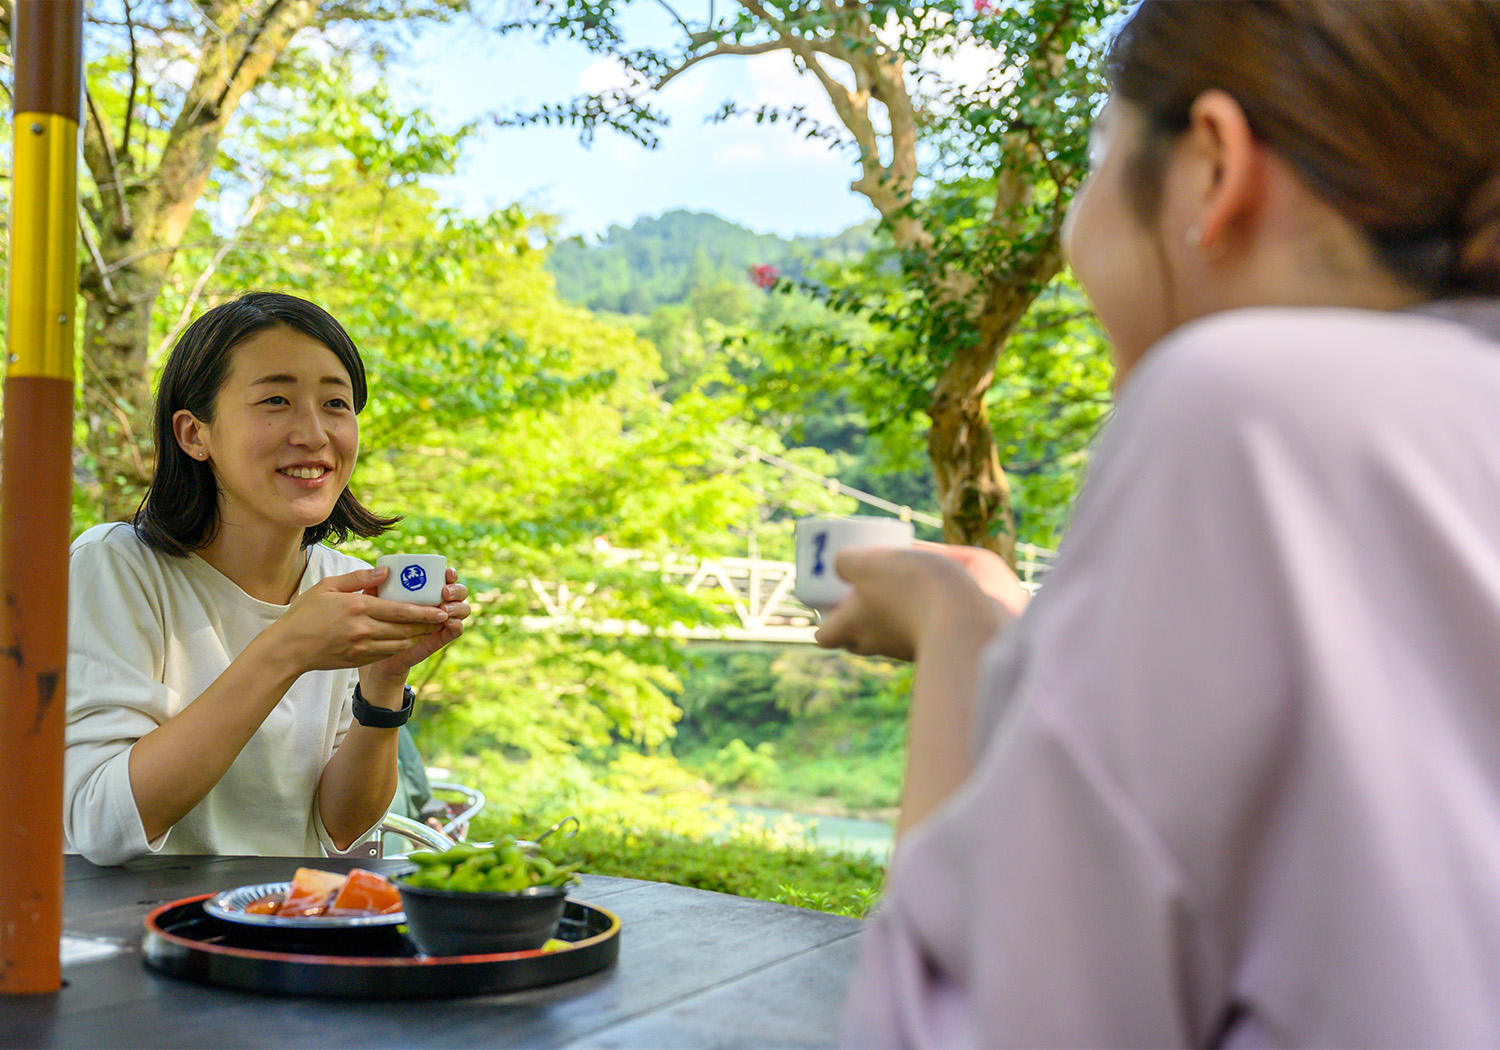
(308, 430)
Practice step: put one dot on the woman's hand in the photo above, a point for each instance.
(990, 572)
(395, 667)
(901, 597)
(939, 606)
(340, 622)
(358, 781)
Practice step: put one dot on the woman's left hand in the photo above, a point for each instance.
(395, 668)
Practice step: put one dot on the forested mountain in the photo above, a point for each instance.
(660, 261)
(684, 283)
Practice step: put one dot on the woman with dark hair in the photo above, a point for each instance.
(235, 686)
(1233, 776)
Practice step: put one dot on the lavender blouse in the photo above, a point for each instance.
(1237, 775)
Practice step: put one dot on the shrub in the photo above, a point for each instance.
(645, 817)
(737, 765)
(753, 863)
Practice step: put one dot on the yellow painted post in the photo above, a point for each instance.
(35, 488)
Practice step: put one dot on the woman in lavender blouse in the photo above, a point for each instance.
(1233, 776)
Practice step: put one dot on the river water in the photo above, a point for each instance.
(869, 837)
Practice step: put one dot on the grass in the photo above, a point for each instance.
(645, 817)
(840, 883)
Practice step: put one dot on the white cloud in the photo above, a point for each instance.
(969, 65)
(738, 153)
(688, 90)
(604, 74)
(775, 81)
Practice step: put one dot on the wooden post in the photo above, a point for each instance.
(35, 488)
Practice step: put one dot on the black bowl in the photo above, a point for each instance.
(455, 922)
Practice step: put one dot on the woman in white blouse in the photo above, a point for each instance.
(234, 685)
(1233, 776)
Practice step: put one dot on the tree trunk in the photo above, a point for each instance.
(117, 388)
(139, 216)
(972, 489)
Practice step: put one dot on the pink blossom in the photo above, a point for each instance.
(764, 276)
(984, 7)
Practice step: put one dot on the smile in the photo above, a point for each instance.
(305, 473)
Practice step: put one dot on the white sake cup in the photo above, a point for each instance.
(819, 541)
(415, 578)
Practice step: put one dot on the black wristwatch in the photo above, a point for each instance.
(383, 717)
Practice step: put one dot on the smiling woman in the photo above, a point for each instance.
(283, 438)
(245, 354)
(216, 647)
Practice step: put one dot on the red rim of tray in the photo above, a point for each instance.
(182, 940)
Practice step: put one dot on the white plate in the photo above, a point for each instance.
(231, 904)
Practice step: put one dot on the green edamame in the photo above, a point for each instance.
(502, 867)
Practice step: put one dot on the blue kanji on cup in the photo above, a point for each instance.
(820, 545)
(413, 577)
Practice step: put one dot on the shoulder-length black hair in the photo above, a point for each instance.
(180, 513)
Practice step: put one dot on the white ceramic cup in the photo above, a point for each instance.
(415, 578)
(820, 539)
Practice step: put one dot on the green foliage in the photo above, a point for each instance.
(619, 787)
(649, 820)
(864, 782)
(859, 901)
(666, 260)
(747, 865)
(1050, 392)
(734, 693)
(737, 765)
(727, 695)
(519, 435)
(798, 728)
(971, 179)
(1053, 391)
(559, 457)
(1026, 126)
(821, 366)
(714, 344)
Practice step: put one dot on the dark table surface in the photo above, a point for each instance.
(696, 969)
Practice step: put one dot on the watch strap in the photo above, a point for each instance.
(366, 714)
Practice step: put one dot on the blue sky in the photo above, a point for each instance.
(761, 176)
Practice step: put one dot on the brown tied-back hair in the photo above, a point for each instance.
(1389, 111)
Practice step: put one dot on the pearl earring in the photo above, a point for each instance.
(1196, 241)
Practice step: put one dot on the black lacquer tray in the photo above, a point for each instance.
(184, 941)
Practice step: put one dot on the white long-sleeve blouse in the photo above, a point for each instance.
(148, 633)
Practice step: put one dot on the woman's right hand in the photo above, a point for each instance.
(938, 606)
(990, 572)
(341, 622)
(901, 597)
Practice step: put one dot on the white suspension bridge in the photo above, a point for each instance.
(757, 591)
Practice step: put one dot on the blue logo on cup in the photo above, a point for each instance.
(413, 578)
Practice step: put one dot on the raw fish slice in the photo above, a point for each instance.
(365, 892)
(310, 892)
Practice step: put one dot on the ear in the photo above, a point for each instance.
(1233, 184)
(191, 434)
